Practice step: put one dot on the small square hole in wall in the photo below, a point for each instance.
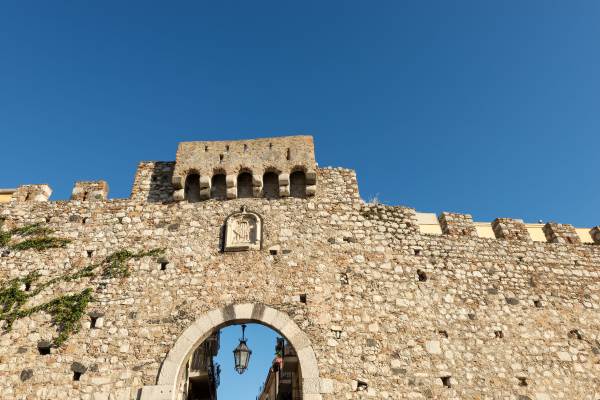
(273, 252)
(499, 334)
(537, 303)
(78, 370)
(361, 386)
(344, 278)
(421, 275)
(5, 253)
(337, 334)
(163, 265)
(303, 298)
(48, 219)
(443, 333)
(43, 347)
(575, 334)
(27, 286)
(90, 253)
(446, 381)
(93, 321)
(221, 157)
(522, 381)
(84, 220)
(417, 252)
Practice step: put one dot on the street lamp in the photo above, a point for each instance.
(242, 354)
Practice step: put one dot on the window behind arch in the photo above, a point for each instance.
(218, 188)
(192, 188)
(271, 185)
(298, 184)
(244, 185)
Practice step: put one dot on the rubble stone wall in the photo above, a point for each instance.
(389, 312)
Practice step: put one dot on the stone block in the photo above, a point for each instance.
(243, 311)
(177, 182)
(284, 179)
(311, 190)
(561, 233)
(231, 181)
(595, 234)
(179, 195)
(90, 191)
(205, 193)
(284, 191)
(457, 224)
(32, 193)
(156, 392)
(311, 177)
(511, 229)
(231, 192)
(204, 181)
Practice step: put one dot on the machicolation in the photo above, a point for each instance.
(110, 299)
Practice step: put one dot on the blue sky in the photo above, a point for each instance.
(490, 108)
(261, 340)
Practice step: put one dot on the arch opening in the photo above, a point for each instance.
(173, 373)
(218, 188)
(271, 185)
(244, 185)
(192, 188)
(298, 184)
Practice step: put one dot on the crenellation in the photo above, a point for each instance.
(457, 224)
(511, 229)
(27, 193)
(90, 191)
(561, 233)
(595, 234)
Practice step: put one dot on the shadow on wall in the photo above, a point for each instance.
(160, 183)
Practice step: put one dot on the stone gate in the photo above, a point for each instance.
(379, 301)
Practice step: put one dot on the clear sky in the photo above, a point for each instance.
(261, 340)
(490, 108)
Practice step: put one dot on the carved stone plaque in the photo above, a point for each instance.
(243, 231)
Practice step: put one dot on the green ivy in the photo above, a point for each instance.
(115, 265)
(66, 310)
(40, 243)
(37, 238)
(32, 230)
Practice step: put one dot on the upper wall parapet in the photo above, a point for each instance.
(231, 169)
(32, 193)
(455, 224)
(90, 191)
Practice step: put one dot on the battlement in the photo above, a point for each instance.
(271, 167)
(455, 224)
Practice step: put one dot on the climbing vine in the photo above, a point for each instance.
(36, 236)
(66, 310)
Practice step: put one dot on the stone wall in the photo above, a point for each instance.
(390, 313)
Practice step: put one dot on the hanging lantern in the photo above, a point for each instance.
(241, 354)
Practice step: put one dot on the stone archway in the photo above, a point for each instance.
(172, 367)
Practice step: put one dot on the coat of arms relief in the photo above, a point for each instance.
(243, 231)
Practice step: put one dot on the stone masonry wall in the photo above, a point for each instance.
(390, 313)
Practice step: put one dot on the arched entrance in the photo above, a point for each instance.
(171, 371)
